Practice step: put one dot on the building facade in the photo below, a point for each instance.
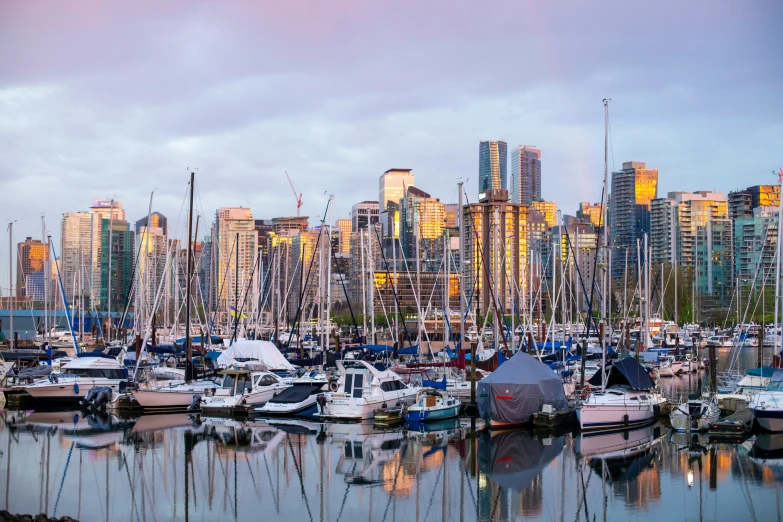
(633, 189)
(525, 174)
(493, 165)
(32, 257)
(156, 220)
(422, 220)
(237, 240)
(392, 186)
(75, 255)
(101, 209)
(117, 250)
(591, 213)
(364, 214)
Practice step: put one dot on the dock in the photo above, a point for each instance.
(553, 419)
(734, 427)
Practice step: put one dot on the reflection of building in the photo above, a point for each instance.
(525, 174)
(31, 255)
(493, 164)
(633, 188)
(494, 222)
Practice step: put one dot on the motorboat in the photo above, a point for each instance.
(242, 391)
(299, 399)
(746, 388)
(720, 341)
(175, 394)
(695, 414)
(362, 389)
(432, 404)
(78, 377)
(627, 398)
(767, 406)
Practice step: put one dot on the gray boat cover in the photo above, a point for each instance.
(518, 389)
(513, 459)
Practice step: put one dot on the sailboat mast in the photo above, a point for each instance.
(10, 284)
(461, 272)
(188, 347)
(605, 257)
(777, 272)
(45, 253)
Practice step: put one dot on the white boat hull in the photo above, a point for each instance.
(341, 407)
(64, 390)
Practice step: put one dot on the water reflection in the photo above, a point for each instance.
(180, 467)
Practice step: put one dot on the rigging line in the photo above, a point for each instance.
(130, 483)
(394, 483)
(62, 481)
(345, 495)
(434, 490)
(394, 291)
(271, 486)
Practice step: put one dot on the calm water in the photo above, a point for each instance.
(170, 467)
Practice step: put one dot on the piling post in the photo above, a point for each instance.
(713, 370)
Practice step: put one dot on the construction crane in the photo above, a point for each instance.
(298, 196)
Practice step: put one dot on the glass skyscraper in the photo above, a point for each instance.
(493, 166)
(525, 174)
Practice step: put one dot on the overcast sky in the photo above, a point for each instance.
(117, 99)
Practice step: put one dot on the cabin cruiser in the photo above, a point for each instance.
(767, 406)
(362, 389)
(746, 388)
(720, 341)
(242, 390)
(175, 394)
(627, 398)
(78, 377)
(432, 404)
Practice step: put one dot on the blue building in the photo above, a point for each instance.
(493, 167)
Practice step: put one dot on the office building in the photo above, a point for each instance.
(633, 189)
(75, 256)
(343, 230)
(392, 186)
(101, 209)
(591, 213)
(117, 254)
(422, 220)
(32, 256)
(548, 209)
(493, 163)
(493, 222)
(156, 220)
(525, 174)
(237, 241)
(152, 247)
(743, 202)
(576, 243)
(363, 214)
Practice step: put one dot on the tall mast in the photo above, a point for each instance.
(108, 272)
(605, 257)
(188, 347)
(777, 273)
(11, 283)
(461, 271)
(45, 254)
(328, 283)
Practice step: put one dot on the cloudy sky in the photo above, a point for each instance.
(118, 99)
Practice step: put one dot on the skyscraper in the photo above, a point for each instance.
(156, 220)
(493, 165)
(30, 278)
(75, 255)
(422, 219)
(117, 250)
(525, 174)
(237, 249)
(343, 228)
(101, 209)
(633, 188)
(392, 187)
(363, 214)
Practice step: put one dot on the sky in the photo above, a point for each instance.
(121, 99)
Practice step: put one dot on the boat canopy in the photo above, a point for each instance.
(438, 385)
(518, 389)
(764, 371)
(626, 371)
(264, 352)
(296, 394)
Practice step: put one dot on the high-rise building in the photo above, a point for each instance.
(75, 255)
(156, 220)
(493, 222)
(591, 213)
(633, 188)
(743, 202)
(392, 187)
(363, 214)
(493, 165)
(343, 228)
(683, 226)
(152, 248)
(525, 174)
(755, 247)
(101, 209)
(31, 255)
(577, 243)
(422, 219)
(304, 276)
(548, 209)
(237, 250)
(117, 250)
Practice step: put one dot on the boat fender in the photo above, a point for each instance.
(625, 419)
(333, 386)
(76, 388)
(383, 406)
(585, 393)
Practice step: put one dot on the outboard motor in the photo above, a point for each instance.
(91, 395)
(196, 403)
(102, 399)
(321, 401)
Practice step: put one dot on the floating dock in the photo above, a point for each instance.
(554, 419)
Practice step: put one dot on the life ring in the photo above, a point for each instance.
(585, 393)
(333, 386)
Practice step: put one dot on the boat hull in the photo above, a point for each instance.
(151, 399)
(610, 417)
(769, 419)
(276, 409)
(67, 391)
(358, 409)
(426, 415)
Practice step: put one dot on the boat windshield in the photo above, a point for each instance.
(775, 386)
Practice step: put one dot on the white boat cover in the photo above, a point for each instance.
(517, 389)
(264, 352)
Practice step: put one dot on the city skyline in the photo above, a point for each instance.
(82, 120)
